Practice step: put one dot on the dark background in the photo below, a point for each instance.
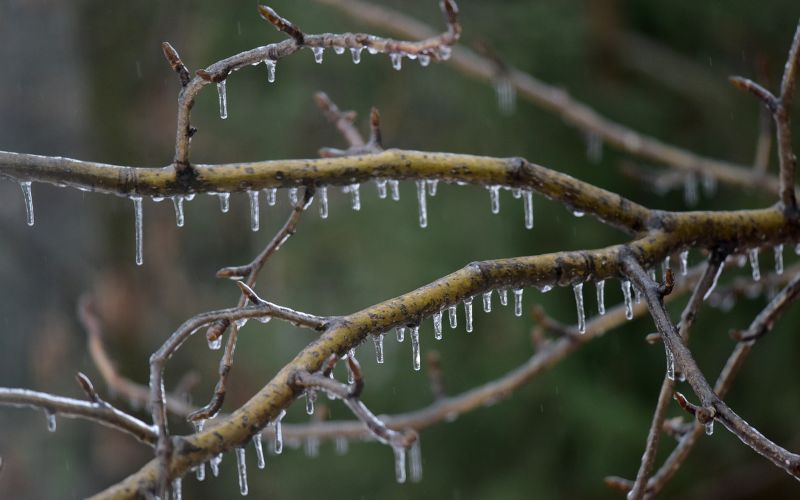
(87, 80)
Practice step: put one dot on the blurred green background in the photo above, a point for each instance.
(86, 79)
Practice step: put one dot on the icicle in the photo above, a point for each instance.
(670, 364)
(415, 347)
(270, 70)
(137, 225)
(381, 183)
(494, 198)
(432, 185)
(177, 489)
(753, 254)
(601, 296)
(241, 465)
(214, 463)
(690, 194)
(214, 345)
(684, 258)
(223, 99)
(578, 290)
(356, 53)
(778, 259)
(710, 427)
(594, 148)
(437, 325)
(399, 463)
(397, 60)
(378, 340)
(272, 194)
(527, 203)
(394, 187)
(338, 50)
(503, 293)
(278, 445)
(293, 195)
(351, 377)
(177, 202)
(401, 333)
(224, 202)
(416, 462)
(312, 447)
(714, 282)
(28, 196)
(254, 210)
(323, 202)
(487, 302)
(341, 445)
(355, 192)
(423, 209)
(424, 60)
(51, 420)
(311, 396)
(200, 472)
(626, 294)
(318, 51)
(506, 96)
(518, 302)
(453, 316)
(468, 313)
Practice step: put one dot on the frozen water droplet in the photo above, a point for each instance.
(601, 296)
(214, 463)
(714, 282)
(200, 472)
(341, 445)
(372, 50)
(516, 193)
(318, 52)
(272, 195)
(224, 202)
(378, 340)
(28, 196)
(487, 302)
(156, 199)
(468, 313)
(503, 293)
(270, 70)
(424, 60)
(240, 323)
(323, 202)
(670, 364)
(399, 463)
(684, 258)
(506, 96)
(311, 397)
(518, 302)
(254, 210)
(437, 325)
(778, 250)
(190, 196)
(594, 148)
(293, 196)
(753, 255)
(453, 315)
(177, 489)
(351, 377)
(278, 443)
(545, 288)
(401, 333)
(138, 229)
(416, 462)
(494, 198)
(215, 344)
(432, 185)
(527, 203)
(338, 50)
(445, 52)
(394, 188)
(177, 202)
(690, 194)
(241, 466)
(223, 99)
(397, 60)
(415, 347)
(423, 209)
(578, 213)
(51, 420)
(709, 427)
(626, 294)
(355, 192)
(381, 183)
(356, 53)
(578, 290)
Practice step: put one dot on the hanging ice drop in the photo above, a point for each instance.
(51, 420)
(177, 202)
(399, 463)
(423, 209)
(578, 290)
(518, 302)
(432, 185)
(293, 195)
(278, 444)
(214, 464)
(397, 60)
(177, 489)
(415, 347)
(224, 202)
(338, 50)
(401, 333)
(270, 70)
(318, 51)
(601, 296)
(424, 60)
(323, 202)
(778, 250)
(710, 427)
(28, 196)
(254, 210)
(527, 203)
(437, 325)
(137, 227)
(753, 254)
(223, 99)
(241, 466)
(487, 302)
(215, 344)
(494, 198)
(378, 340)
(311, 397)
(272, 195)
(626, 294)
(381, 183)
(684, 258)
(468, 313)
(503, 293)
(356, 53)
(355, 192)
(453, 315)
(394, 188)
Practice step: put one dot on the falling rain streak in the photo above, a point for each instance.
(137, 224)
(28, 196)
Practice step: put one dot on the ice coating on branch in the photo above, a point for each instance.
(670, 363)
(254, 210)
(378, 340)
(351, 377)
(778, 250)
(437, 325)
(399, 463)
(51, 420)
(714, 282)
(453, 316)
(270, 63)
(684, 258)
(355, 193)
(601, 296)
(177, 202)
(578, 290)
(278, 444)
(28, 196)
(356, 53)
(422, 203)
(318, 52)
(323, 202)
(214, 463)
(338, 50)
(753, 255)
(415, 347)
(626, 294)
(293, 195)
(416, 462)
(709, 427)
(397, 60)
(241, 466)
(272, 195)
(222, 93)
(503, 293)
(137, 226)
(401, 333)
(177, 489)
(487, 302)
(494, 198)
(394, 188)
(224, 202)
(527, 203)
(468, 313)
(381, 184)
(432, 185)
(517, 302)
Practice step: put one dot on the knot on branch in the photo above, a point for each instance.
(281, 24)
(175, 62)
